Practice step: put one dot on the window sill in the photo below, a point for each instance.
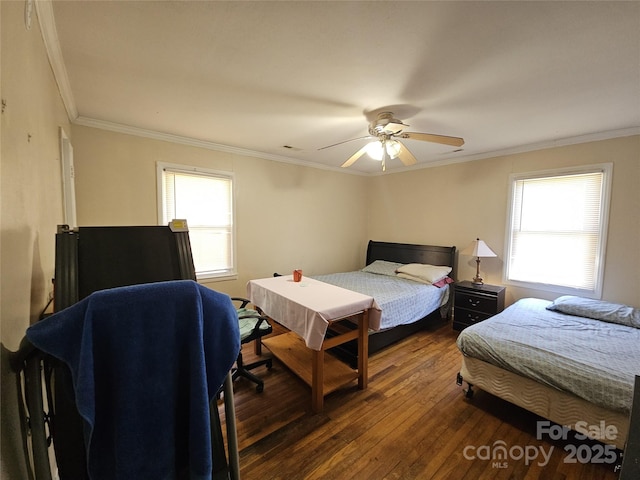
(558, 289)
(208, 278)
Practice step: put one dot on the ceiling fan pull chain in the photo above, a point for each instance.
(384, 153)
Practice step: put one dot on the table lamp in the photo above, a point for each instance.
(478, 249)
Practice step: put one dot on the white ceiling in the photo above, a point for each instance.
(259, 76)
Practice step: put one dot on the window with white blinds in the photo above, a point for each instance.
(205, 199)
(557, 229)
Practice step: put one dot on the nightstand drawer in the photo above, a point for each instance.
(477, 302)
(466, 317)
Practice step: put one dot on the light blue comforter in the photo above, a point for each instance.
(592, 359)
(401, 301)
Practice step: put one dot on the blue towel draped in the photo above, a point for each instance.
(146, 360)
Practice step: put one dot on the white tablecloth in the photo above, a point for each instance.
(307, 307)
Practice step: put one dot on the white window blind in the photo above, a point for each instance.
(205, 200)
(557, 230)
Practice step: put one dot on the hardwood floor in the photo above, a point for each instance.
(413, 422)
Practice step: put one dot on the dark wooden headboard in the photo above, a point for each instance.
(408, 253)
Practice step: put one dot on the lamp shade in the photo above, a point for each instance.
(478, 248)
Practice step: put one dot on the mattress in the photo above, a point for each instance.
(560, 407)
(591, 359)
(401, 301)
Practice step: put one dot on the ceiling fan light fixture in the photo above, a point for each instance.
(374, 149)
(393, 148)
(385, 129)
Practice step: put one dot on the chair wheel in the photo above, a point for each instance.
(259, 388)
(269, 364)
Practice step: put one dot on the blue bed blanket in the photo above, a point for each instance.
(146, 360)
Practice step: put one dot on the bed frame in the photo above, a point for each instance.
(401, 253)
(555, 405)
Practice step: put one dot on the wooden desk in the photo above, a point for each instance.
(309, 309)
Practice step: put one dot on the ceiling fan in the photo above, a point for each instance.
(386, 130)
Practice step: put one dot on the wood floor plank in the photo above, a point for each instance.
(412, 422)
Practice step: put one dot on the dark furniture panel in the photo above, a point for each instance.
(409, 253)
(95, 258)
(631, 458)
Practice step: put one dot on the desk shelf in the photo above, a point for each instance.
(291, 350)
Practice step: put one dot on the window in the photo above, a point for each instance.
(557, 229)
(205, 199)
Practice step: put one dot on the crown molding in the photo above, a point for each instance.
(563, 142)
(193, 142)
(168, 137)
(531, 147)
(46, 20)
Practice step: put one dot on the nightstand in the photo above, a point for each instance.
(475, 303)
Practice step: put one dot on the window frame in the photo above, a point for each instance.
(232, 273)
(607, 170)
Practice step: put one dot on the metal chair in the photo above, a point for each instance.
(253, 326)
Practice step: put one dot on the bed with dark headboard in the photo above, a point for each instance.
(403, 253)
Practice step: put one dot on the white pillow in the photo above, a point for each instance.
(406, 276)
(382, 267)
(425, 272)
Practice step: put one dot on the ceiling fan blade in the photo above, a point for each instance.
(430, 137)
(405, 156)
(346, 141)
(354, 157)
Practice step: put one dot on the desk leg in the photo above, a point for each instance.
(363, 350)
(317, 381)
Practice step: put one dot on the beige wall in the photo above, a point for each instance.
(31, 203)
(290, 216)
(287, 216)
(452, 205)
